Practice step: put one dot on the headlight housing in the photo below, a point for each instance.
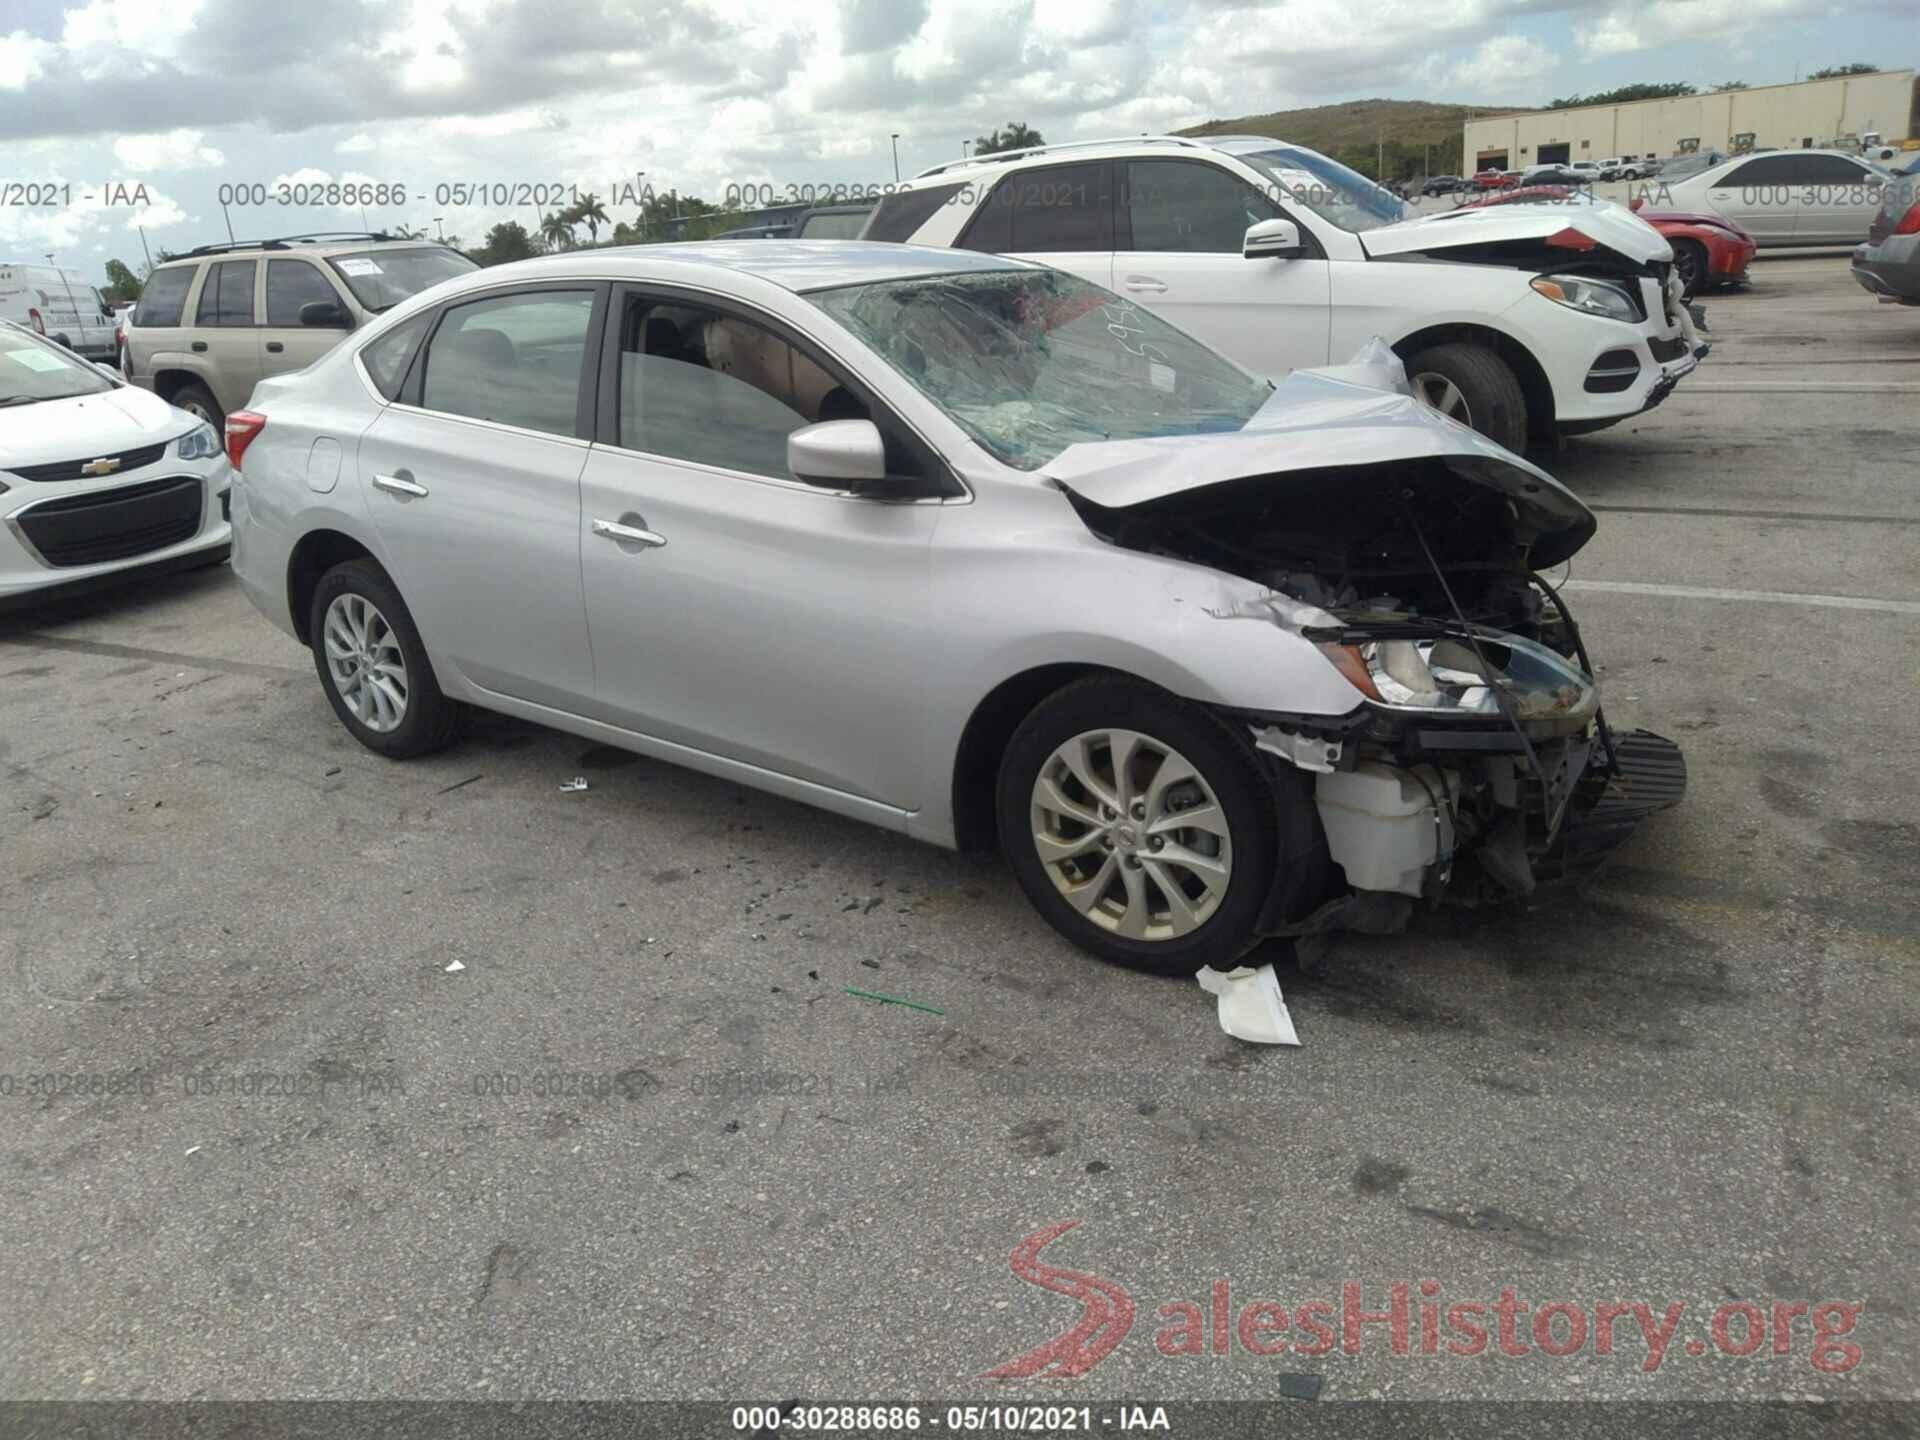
(200, 443)
(1441, 675)
(1590, 297)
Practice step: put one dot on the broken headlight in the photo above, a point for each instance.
(1591, 297)
(1443, 675)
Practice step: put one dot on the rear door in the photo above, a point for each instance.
(1058, 215)
(1181, 227)
(473, 480)
(156, 335)
(286, 344)
(226, 337)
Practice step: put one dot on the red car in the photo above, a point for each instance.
(1495, 180)
(1708, 250)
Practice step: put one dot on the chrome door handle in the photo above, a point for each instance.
(629, 534)
(1146, 283)
(399, 485)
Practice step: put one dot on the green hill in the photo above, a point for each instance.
(1355, 131)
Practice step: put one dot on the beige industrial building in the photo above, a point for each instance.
(1781, 117)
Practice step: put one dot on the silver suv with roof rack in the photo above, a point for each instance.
(213, 323)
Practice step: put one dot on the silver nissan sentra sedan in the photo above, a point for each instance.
(965, 547)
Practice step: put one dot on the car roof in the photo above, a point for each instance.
(302, 245)
(973, 167)
(796, 265)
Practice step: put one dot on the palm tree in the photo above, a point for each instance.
(593, 213)
(408, 232)
(557, 231)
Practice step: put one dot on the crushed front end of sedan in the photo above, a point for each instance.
(1475, 764)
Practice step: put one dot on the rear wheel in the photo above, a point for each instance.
(1471, 384)
(374, 667)
(1690, 263)
(196, 399)
(1140, 826)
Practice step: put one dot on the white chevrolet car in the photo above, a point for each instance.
(99, 481)
(1521, 321)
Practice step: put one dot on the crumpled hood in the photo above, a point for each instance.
(1604, 221)
(123, 418)
(1317, 422)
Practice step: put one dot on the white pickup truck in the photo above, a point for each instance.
(60, 304)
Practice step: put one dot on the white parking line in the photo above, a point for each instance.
(1794, 387)
(1762, 597)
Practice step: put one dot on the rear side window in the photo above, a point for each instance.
(1049, 209)
(162, 297)
(515, 360)
(1765, 170)
(898, 218)
(291, 284)
(1182, 205)
(387, 358)
(227, 297)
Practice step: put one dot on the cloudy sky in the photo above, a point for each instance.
(183, 96)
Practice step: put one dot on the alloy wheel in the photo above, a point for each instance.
(366, 662)
(1131, 834)
(1443, 395)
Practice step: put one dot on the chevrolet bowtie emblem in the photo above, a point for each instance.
(101, 467)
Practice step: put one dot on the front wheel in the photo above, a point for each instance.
(1140, 826)
(1690, 263)
(1472, 384)
(198, 401)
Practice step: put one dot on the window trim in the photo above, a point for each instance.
(586, 399)
(607, 433)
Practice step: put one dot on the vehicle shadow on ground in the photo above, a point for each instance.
(135, 599)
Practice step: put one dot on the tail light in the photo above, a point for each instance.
(1909, 222)
(33, 316)
(242, 427)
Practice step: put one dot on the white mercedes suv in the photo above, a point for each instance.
(1522, 321)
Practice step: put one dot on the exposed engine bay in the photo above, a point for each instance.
(1478, 764)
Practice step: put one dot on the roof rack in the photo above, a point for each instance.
(287, 242)
(1001, 157)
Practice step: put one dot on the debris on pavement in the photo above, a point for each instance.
(573, 786)
(892, 1000)
(1250, 1005)
(454, 967)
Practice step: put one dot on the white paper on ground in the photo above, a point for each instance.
(1250, 1005)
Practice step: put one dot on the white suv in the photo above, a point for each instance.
(1521, 320)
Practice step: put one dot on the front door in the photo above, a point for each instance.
(286, 344)
(761, 619)
(473, 482)
(1182, 224)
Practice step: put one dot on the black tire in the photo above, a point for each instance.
(1690, 263)
(1223, 759)
(196, 399)
(1495, 404)
(430, 721)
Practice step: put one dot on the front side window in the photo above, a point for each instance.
(381, 279)
(226, 297)
(1832, 170)
(700, 385)
(1031, 361)
(1183, 205)
(387, 358)
(515, 360)
(1336, 194)
(164, 295)
(291, 284)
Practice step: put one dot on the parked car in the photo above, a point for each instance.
(1285, 259)
(1708, 250)
(1554, 175)
(99, 482)
(1495, 180)
(122, 321)
(1444, 185)
(1789, 197)
(757, 232)
(1587, 170)
(1888, 265)
(834, 222)
(1215, 658)
(59, 303)
(214, 322)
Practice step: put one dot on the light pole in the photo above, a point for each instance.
(441, 229)
(896, 155)
(223, 211)
(963, 148)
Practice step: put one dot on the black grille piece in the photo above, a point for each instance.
(1665, 350)
(1612, 372)
(71, 469)
(1653, 777)
(114, 524)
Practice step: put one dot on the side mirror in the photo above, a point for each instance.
(838, 453)
(1273, 240)
(325, 315)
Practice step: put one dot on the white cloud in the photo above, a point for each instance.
(139, 25)
(167, 150)
(354, 145)
(23, 58)
(1508, 65)
(1637, 26)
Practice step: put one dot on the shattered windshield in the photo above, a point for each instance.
(1029, 362)
(1333, 192)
